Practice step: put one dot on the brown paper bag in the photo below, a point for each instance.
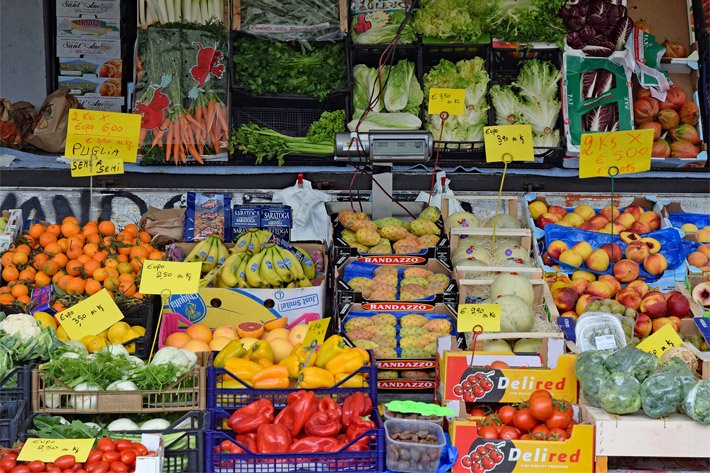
(50, 129)
(16, 120)
(164, 225)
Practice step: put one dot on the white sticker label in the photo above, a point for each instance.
(605, 342)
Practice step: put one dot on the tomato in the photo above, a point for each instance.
(111, 456)
(7, 464)
(36, 466)
(20, 469)
(499, 365)
(557, 434)
(77, 467)
(466, 385)
(487, 463)
(67, 470)
(478, 391)
(524, 420)
(466, 461)
(106, 445)
(128, 457)
(570, 428)
(486, 385)
(496, 456)
(488, 432)
(540, 428)
(53, 469)
(118, 467)
(525, 437)
(542, 393)
(538, 436)
(140, 449)
(506, 413)
(100, 466)
(94, 456)
(559, 420)
(477, 412)
(541, 407)
(81, 470)
(492, 419)
(122, 445)
(509, 433)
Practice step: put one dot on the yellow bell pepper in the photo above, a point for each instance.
(315, 378)
(363, 354)
(332, 347)
(272, 383)
(292, 365)
(356, 381)
(275, 371)
(261, 349)
(264, 362)
(241, 368)
(233, 349)
(230, 383)
(304, 355)
(347, 363)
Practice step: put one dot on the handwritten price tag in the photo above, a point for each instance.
(316, 331)
(661, 341)
(485, 315)
(450, 101)
(178, 278)
(90, 316)
(48, 450)
(102, 134)
(508, 142)
(96, 167)
(629, 151)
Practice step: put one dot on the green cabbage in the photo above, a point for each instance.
(386, 121)
(398, 85)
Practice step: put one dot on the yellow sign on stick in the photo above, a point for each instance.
(661, 341)
(90, 316)
(451, 101)
(102, 134)
(485, 315)
(316, 331)
(508, 143)
(618, 152)
(48, 450)
(96, 167)
(173, 276)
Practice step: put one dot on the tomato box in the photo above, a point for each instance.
(100, 8)
(88, 26)
(106, 104)
(477, 455)
(77, 46)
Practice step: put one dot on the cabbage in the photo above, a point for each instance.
(512, 284)
(386, 121)
(537, 80)
(455, 20)
(515, 314)
(506, 105)
(364, 83)
(397, 87)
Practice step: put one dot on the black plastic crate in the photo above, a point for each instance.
(146, 314)
(12, 416)
(17, 386)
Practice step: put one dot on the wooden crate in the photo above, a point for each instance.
(637, 435)
(509, 204)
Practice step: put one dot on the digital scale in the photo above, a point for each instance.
(382, 149)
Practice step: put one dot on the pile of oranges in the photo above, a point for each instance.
(78, 261)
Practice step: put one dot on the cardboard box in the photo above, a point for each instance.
(107, 104)
(100, 8)
(151, 464)
(79, 47)
(693, 327)
(88, 26)
(12, 229)
(91, 85)
(574, 455)
(91, 66)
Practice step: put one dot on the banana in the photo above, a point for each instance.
(210, 262)
(292, 263)
(281, 266)
(242, 244)
(252, 271)
(207, 278)
(263, 236)
(223, 254)
(253, 244)
(199, 251)
(304, 283)
(267, 269)
(227, 273)
(292, 285)
(240, 273)
(309, 267)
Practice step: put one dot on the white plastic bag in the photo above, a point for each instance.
(309, 216)
(454, 205)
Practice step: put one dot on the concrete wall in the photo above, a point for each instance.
(22, 52)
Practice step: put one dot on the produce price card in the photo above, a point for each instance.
(628, 151)
(102, 134)
(48, 450)
(316, 331)
(90, 316)
(178, 278)
(485, 315)
(660, 341)
(450, 101)
(508, 143)
(96, 167)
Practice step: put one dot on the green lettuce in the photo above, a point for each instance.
(454, 20)
(397, 88)
(386, 121)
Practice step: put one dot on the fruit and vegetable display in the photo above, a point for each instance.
(634, 218)
(394, 283)
(23, 340)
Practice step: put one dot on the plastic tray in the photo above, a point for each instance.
(388, 416)
(602, 326)
(12, 415)
(415, 450)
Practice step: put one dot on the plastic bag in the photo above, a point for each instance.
(683, 373)
(661, 394)
(207, 214)
(379, 26)
(310, 218)
(632, 361)
(697, 402)
(441, 188)
(304, 20)
(592, 374)
(620, 394)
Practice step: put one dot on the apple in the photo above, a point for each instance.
(555, 249)
(537, 208)
(625, 220)
(643, 326)
(583, 248)
(626, 270)
(587, 226)
(613, 251)
(654, 304)
(599, 222)
(600, 289)
(583, 301)
(580, 285)
(676, 322)
(613, 283)
(678, 305)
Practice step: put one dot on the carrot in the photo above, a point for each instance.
(193, 152)
(157, 137)
(222, 116)
(169, 143)
(141, 137)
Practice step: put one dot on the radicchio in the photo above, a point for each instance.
(597, 51)
(589, 81)
(621, 32)
(601, 118)
(605, 82)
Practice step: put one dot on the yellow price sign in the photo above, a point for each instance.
(173, 276)
(628, 151)
(96, 167)
(316, 331)
(485, 315)
(103, 135)
(90, 316)
(48, 450)
(451, 101)
(661, 341)
(508, 143)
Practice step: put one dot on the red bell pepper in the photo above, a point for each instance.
(249, 418)
(314, 444)
(323, 424)
(358, 426)
(355, 406)
(273, 438)
(300, 407)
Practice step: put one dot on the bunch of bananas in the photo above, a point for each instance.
(210, 252)
(257, 263)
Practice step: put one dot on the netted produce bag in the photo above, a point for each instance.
(291, 20)
(620, 394)
(661, 394)
(592, 374)
(632, 361)
(697, 402)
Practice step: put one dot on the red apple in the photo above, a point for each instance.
(678, 305)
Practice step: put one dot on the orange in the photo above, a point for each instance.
(75, 286)
(23, 248)
(145, 237)
(137, 295)
(124, 250)
(107, 227)
(90, 228)
(54, 228)
(73, 252)
(83, 259)
(127, 287)
(122, 258)
(112, 273)
(147, 247)
(92, 286)
(70, 218)
(5, 290)
(36, 230)
(39, 260)
(63, 244)
(27, 274)
(101, 256)
(19, 258)
(196, 346)
(7, 299)
(111, 283)
(177, 339)
(63, 281)
(74, 268)
(131, 228)
(94, 238)
(30, 241)
(53, 249)
(57, 276)
(6, 258)
(19, 290)
(126, 277)
(123, 236)
(91, 266)
(111, 263)
(10, 273)
(46, 238)
(70, 229)
(61, 260)
(124, 268)
(91, 249)
(199, 331)
(155, 255)
(100, 274)
(50, 268)
(137, 264)
(107, 240)
(41, 279)
(58, 306)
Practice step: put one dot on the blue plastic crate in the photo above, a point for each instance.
(12, 416)
(370, 461)
(232, 398)
(17, 386)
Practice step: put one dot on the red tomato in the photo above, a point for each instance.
(492, 419)
(122, 445)
(106, 445)
(500, 365)
(541, 428)
(111, 456)
(76, 467)
(541, 392)
(538, 436)
(488, 432)
(570, 428)
(94, 456)
(118, 467)
(559, 420)
(20, 469)
(506, 413)
(65, 461)
(81, 470)
(524, 420)
(36, 466)
(67, 470)
(7, 464)
(541, 406)
(140, 449)
(509, 433)
(100, 466)
(477, 412)
(53, 469)
(525, 437)
(557, 434)
(128, 457)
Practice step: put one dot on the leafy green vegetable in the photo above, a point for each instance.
(524, 21)
(620, 394)
(661, 394)
(271, 67)
(325, 128)
(455, 20)
(382, 32)
(697, 402)
(397, 89)
(506, 105)
(591, 373)
(291, 20)
(384, 121)
(632, 361)
(537, 80)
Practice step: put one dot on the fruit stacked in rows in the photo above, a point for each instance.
(416, 283)
(633, 218)
(390, 235)
(78, 260)
(700, 258)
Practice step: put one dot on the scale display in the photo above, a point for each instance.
(398, 147)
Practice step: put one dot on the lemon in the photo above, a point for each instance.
(129, 335)
(62, 334)
(45, 320)
(96, 344)
(117, 331)
(86, 340)
(139, 330)
(131, 347)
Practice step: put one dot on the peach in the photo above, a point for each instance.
(637, 251)
(555, 249)
(570, 313)
(655, 264)
(598, 260)
(654, 246)
(626, 270)
(689, 228)
(678, 305)
(611, 229)
(613, 251)
(583, 248)
(639, 286)
(580, 285)
(545, 219)
(705, 249)
(629, 298)
(697, 259)
(612, 282)
(668, 295)
(558, 285)
(600, 289)
(651, 219)
(701, 293)
(574, 219)
(583, 301)
(546, 259)
(585, 211)
(654, 304)
(586, 275)
(599, 222)
(703, 235)
(564, 223)
(565, 298)
(676, 322)
(560, 212)
(610, 213)
(635, 210)
(537, 208)
(660, 322)
(639, 227)
(643, 326)
(628, 236)
(625, 220)
(587, 226)
(571, 258)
